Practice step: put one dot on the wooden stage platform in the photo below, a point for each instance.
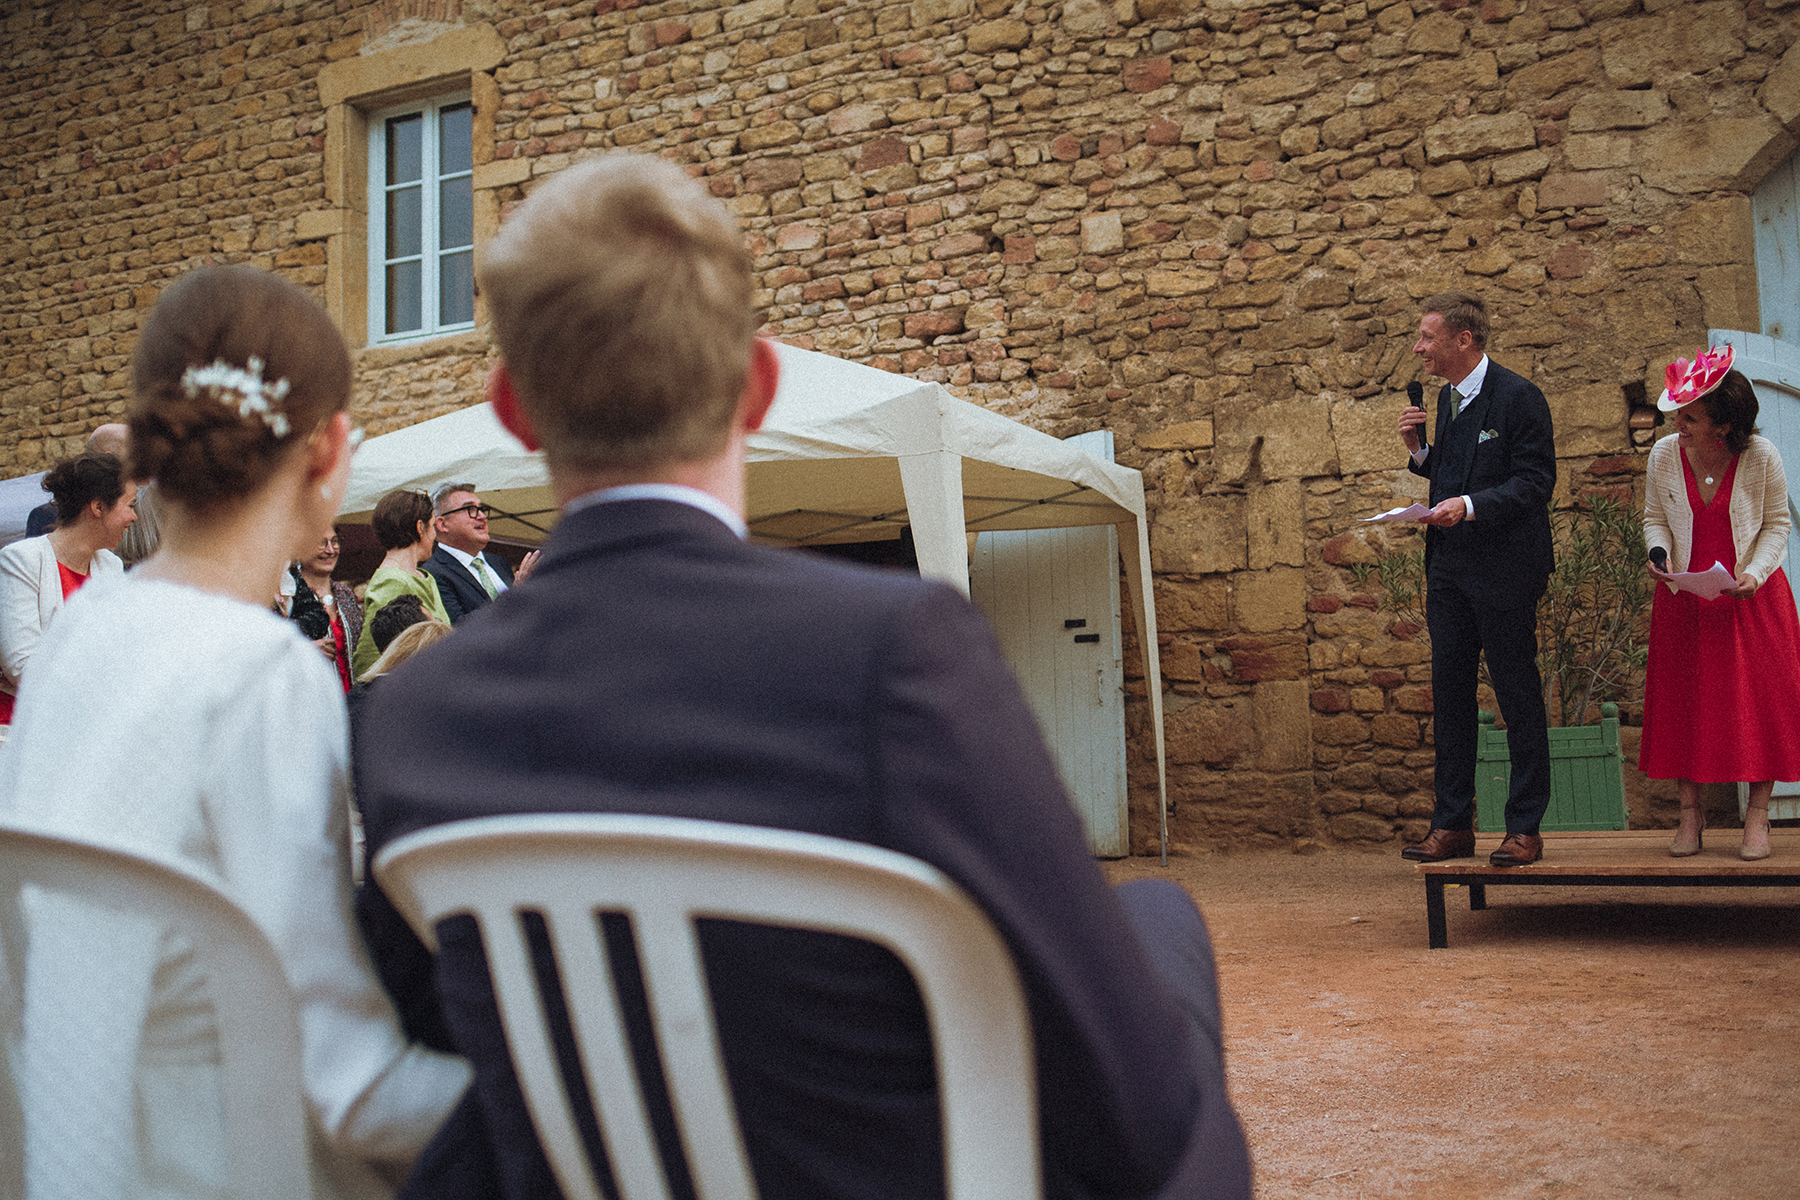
(1633, 858)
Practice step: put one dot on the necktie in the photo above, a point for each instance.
(1456, 399)
(483, 578)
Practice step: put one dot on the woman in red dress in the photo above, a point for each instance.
(1722, 690)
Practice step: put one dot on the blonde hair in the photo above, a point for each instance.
(406, 643)
(620, 294)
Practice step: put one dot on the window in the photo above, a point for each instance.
(421, 221)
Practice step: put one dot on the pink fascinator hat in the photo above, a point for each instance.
(1685, 382)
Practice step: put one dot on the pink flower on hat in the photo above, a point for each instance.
(1685, 382)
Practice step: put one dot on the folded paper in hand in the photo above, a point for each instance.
(1708, 584)
(1406, 512)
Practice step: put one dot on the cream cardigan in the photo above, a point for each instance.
(30, 594)
(1759, 508)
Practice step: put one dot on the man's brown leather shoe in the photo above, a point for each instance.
(1440, 844)
(1518, 850)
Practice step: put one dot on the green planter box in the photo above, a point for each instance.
(1587, 776)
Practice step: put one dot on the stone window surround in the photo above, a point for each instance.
(351, 89)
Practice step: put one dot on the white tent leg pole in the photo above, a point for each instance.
(934, 505)
(1143, 607)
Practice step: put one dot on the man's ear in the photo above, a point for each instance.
(507, 409)
(759, 385)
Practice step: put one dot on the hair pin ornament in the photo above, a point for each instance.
(253, 395)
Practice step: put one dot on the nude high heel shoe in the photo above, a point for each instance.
(1687, 845)
(1753, 851)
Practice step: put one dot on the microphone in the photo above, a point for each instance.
(1415, 394)
(1660, 557)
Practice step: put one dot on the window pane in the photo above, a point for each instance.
(403, 236)
(454, 139)
(456, 213)
(403, 297)
(405, 148)
(456, 288)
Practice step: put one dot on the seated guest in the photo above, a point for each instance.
(403, 522)
(659, 663)
(467, 577)
(38, 574)
(169, 712)
(395, 617)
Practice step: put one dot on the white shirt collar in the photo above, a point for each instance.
(1470, 387)
(704, 501)
(467, 560)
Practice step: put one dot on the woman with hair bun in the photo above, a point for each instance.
(1722, 685)
(171, 712)
(38, 574)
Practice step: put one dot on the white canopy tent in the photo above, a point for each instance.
(848, 453)
(17, 498)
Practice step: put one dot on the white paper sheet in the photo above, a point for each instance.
(1708, 584)
(1406, 512)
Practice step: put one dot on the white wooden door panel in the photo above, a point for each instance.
(1053, 598)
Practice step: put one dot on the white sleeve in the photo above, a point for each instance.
(279, 807)
(20, 624)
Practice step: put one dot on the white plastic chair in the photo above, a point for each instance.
(265, 1124)
(666, 872)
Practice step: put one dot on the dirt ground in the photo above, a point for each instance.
(1571, 1042)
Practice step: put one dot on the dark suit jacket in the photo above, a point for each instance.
(658, 664)
(1501, 453)
(460, 591)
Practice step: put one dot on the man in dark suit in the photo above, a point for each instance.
(659, 663)
(467, 576)
(1487, 561)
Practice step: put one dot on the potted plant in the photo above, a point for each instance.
(1592, 643)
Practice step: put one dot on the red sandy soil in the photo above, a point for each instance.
(1571, 1042)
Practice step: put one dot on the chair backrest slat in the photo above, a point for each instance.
(666, 873)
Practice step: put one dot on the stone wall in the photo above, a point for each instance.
(1203, 224)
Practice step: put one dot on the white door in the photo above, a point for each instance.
(1773, 367)
(1053, 598)
(1776, 210)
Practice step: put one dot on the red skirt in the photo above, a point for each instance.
(1722, 689)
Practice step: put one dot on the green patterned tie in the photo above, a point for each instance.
(1456, 399)
(482, 577)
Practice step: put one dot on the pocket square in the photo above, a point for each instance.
(1486, 434)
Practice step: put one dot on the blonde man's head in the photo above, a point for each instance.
(620, 295)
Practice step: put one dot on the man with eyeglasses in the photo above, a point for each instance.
(467, 577)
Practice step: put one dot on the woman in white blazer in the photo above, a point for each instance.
(1722, 687)
(94, 500)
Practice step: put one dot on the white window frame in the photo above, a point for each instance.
(428, 235)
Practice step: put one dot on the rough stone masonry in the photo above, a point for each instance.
(1202, 224)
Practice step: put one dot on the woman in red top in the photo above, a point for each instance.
(1723, 683)
(93, 500)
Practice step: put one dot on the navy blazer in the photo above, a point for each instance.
(1501, 453)
(658, 664)
(458, 588)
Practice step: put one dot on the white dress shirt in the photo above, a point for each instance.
(704, 501)
(1468, 389)
(468, 560)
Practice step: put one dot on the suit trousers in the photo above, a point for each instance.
(1462, 629)
(1216, 1163)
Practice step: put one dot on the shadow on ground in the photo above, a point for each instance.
(1631, 1043)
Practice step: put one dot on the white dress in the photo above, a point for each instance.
(210, 731)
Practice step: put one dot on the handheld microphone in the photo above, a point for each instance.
(1660, 557)
(1415, 394)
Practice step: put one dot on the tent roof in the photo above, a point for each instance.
(824, 467)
